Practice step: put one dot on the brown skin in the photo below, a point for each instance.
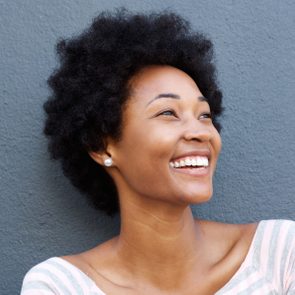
(161, 248)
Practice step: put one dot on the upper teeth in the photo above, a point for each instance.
(195, 161)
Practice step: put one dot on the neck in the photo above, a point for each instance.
(159, 245)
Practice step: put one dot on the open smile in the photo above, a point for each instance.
(192, 165)
(196, 161)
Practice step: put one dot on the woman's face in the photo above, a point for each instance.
(169, 146)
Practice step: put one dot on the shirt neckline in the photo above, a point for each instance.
(240, 269)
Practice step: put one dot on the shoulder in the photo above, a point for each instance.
(276, 237)
(273, 253)
(228, 233)
(276, 228)
(54, 276)
(273, 244)
(269, 264)
(276, 234)
(227, 242)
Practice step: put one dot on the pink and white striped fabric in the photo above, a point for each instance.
(268, 269)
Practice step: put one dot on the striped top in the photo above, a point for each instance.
(268, 269)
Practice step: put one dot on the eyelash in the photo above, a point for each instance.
(208, 115)
(168, 111)
(173, 113)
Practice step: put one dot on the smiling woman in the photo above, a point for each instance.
(134, 120)
(165, 102)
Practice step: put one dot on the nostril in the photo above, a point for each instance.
(196, 139)
(199, 136)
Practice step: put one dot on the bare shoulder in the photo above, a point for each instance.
(226, 237)
(84, 260)
(228, 230)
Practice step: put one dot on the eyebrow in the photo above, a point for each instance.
(173, 96)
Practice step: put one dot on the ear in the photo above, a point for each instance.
(99, 157)
(108, 151)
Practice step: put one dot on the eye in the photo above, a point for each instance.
(168, 113)
(206, 116)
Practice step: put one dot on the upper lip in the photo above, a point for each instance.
(194, 153)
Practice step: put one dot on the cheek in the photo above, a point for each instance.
(216, 144)
(143, 157)
(219, 143)
(216, 141)
(149, 142)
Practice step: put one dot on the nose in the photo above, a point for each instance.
(197, 132)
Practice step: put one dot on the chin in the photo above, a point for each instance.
(197, 197)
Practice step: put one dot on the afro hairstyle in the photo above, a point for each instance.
(90, 88)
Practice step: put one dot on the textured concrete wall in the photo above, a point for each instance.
(41, 215)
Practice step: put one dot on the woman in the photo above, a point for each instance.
(134, 121)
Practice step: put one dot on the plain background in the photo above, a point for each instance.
(41, 215)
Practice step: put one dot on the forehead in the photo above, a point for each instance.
(153, 80)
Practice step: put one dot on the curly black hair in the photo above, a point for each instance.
(90, 88)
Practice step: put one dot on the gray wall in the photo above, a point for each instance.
(43, 216)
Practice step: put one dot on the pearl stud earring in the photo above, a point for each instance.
(108, 162)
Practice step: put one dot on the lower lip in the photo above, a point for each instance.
(204, 171)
